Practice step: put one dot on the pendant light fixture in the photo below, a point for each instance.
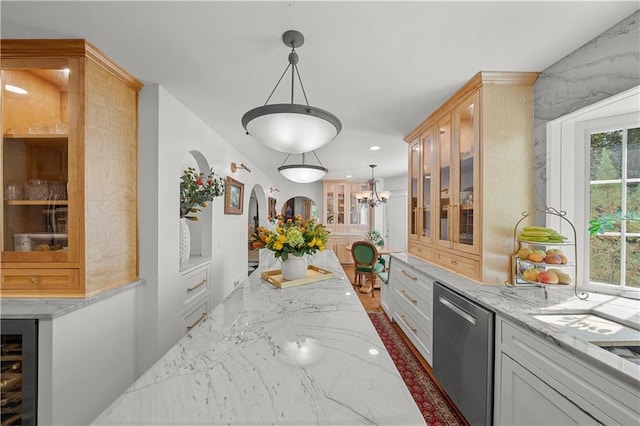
(303, 173)
(291, 128)
(374, 197)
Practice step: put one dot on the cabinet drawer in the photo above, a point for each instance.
(193, 317)
(467, 267)
(195, 284)
(599, 394)
(423, 252)
(41, 282)
(414, 288)
(415, 326)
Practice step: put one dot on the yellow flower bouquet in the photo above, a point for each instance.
(293, 237)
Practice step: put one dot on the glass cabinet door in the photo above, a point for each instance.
(414, 190)
(443, 220)
(35, 161)
(359, 211)
(330, 197)
(466, 148)
(340, 204)
(427, 172)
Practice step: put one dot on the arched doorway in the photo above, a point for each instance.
(302, 206)
(257, 210)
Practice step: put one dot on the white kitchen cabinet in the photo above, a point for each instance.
(540, 383)
(412, 306)
(195, 289)
(527, 400)
(386, 297)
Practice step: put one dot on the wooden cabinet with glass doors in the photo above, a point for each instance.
(344, 217)
(69, 170)
(470, 173)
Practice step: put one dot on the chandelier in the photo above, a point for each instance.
(303, 173)
(291, 128)
(373, 197)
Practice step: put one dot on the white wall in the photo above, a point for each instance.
(88, 357)
(168, 130)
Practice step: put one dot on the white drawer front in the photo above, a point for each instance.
(418, 292)
(195, 284)
(415, 325)
(584, 385)
(192, 318)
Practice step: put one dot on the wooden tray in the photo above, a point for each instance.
(314, 273)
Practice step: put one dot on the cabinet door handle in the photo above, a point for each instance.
(409, 275)
(34, 280)
(404, 320)
(203, 282)
(455, 214)
(189, 327)
(404, 293)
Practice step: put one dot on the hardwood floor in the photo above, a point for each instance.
(371, 304)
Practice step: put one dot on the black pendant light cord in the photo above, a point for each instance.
(293, 63)
(304, 163)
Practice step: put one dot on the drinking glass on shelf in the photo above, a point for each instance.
(37, 189)
(13, 192)
(57, 190)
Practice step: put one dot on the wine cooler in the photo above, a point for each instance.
(18, 376)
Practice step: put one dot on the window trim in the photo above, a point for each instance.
(566, 170)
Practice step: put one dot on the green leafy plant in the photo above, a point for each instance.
(197, 190)
(374, 238)
(608, 221)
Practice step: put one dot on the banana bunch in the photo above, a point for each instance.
(540, 234)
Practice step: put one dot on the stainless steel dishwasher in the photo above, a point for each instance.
(463, 353)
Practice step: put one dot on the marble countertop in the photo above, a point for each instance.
(48, 308)
(521, 305)
(301, 355)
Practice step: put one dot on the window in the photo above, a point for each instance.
(614, 185)
(593, 158)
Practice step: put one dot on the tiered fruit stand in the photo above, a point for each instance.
(549, 242)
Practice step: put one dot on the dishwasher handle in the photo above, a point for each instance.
(457, 309)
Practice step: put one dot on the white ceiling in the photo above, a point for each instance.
(381, 67)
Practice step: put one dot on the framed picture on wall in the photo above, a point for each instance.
(233, 196)
(272, 207)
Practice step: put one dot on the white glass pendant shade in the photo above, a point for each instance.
(301, 173)
(384, 195)
(291, 128)
(364, 195)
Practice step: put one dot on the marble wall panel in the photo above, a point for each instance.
(605, 66)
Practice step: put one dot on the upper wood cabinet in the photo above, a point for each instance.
(471, 176)
(69, 170)
(341, 210)
(344, 217)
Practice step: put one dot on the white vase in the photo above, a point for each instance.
(185, 241)
(294, 268)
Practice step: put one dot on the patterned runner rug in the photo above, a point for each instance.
(432, 403)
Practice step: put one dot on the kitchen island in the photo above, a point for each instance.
(302, 355)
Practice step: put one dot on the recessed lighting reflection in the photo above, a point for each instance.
(15, 89)
(373, 351)
(374, 148)
(303, 351)
(348, 176)
(348, 293)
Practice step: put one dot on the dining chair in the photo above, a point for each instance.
(366, 264)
